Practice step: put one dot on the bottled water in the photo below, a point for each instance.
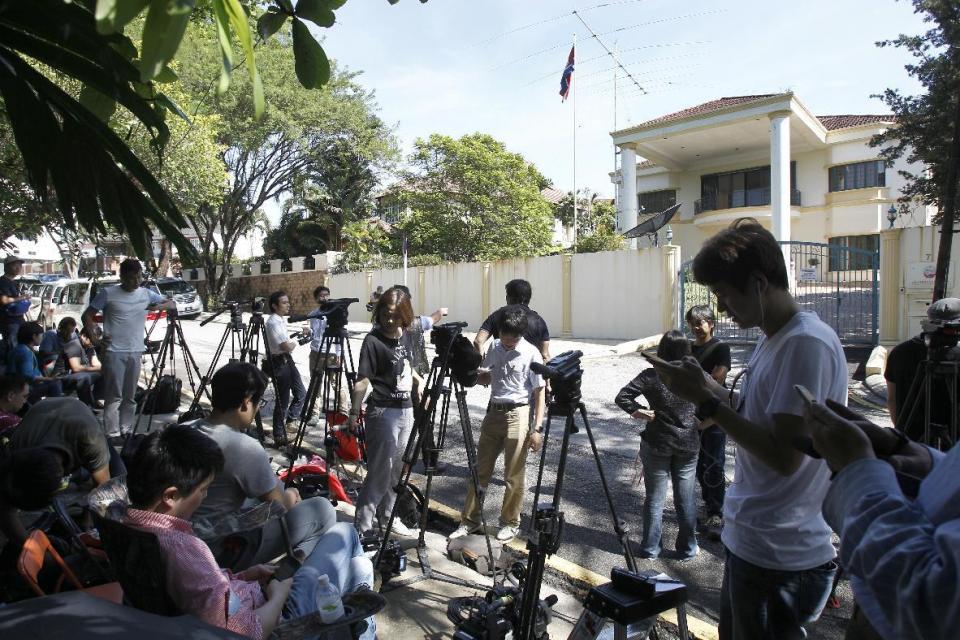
(329, 604)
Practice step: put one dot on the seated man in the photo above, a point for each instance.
(22, 359)
(170, 475)
(56, 438)
(14, 390)
(236, 390)
(69, 362)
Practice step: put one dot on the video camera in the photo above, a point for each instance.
(463, 359)
(564, 373)
(941, 329)
(393, 559)
(334, 310)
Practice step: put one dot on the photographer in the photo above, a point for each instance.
(385, 365)
(904, 364)
(124, 308)
(286, 378)
(329, 359)
(902, 553)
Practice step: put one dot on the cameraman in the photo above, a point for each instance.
(330, 357)
(904, 364)
(286, 378)
(902, 553)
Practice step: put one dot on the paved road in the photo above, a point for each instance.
(588, 537)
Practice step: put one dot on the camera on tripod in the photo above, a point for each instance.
(565, 374)
(453, 348)
(941, 330)
(334, 310)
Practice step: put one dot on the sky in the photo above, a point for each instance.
(461, 66)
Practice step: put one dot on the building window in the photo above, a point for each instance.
(850, 253)
(657, 201)
(743, 188)
(858, 175)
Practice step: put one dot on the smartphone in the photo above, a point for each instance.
(804, 393)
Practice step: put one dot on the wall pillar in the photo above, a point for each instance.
(422, 289)
(890, 280)
(485, 291)
(566, 288)
(628, 201)
(369, 286)
(780, 180)
(672, 314)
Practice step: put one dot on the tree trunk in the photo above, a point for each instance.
(949, 212)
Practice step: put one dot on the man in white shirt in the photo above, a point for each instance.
(506, 427)
(286, 378)
(325, 357)
(779, 566)
(124, 308)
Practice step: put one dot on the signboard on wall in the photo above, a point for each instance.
(920, 275)
(808, 274)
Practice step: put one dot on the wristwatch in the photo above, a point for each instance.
(707, 408)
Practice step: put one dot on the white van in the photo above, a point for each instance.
(76, 295)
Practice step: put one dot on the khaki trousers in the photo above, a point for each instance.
(504, 431)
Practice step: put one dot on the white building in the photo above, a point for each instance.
(806, 177)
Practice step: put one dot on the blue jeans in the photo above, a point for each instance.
(710, 462)
(658, 470)
(44, 389)
(340, 557)
(771, 604)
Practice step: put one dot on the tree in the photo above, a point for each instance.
(266, 157)
(928, 125)
(365, 243)
(596, 221)
(474, 200)
(296, 234)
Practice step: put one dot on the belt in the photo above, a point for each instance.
(505, 406)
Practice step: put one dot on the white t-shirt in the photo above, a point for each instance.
(277, 334)
(511, 378)
(124, 315)
(771, 520)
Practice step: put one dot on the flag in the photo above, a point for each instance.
(567, 77)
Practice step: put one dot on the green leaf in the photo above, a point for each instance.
(312, 66)
(226, 47)
(100, 105)
(269, 23)
(113, 15)
(316, 11)
(162, 32)
(233, 11)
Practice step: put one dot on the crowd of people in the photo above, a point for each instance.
(198, 486)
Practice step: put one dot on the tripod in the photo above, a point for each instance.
(439, 386)
(932, 369)
(250, 352)
(235, 333)
(327, 377)
(171, 338)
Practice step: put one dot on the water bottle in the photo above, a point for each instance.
(329, 604)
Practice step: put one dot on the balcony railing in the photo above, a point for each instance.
(741, 198)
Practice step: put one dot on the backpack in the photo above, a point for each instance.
(164, 397)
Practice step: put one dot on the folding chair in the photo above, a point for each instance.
(31, 561)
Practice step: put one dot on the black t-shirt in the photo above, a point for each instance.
(719, 355)
(902, 367)
(68, 426)
(70, 349)
(9, 287)
(536, 333)
(386, 363)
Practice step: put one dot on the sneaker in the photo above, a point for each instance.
(463, 530)
(507, 533)
(712, 527)
(401, 529)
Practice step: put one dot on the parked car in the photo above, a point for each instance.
(31, 286)
(182, 292)
(76, 295)
(50, 291)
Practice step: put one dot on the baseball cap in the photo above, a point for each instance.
(10, 259)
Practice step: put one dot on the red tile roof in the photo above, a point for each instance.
(830, 123)
(553, 195)
(707, 107)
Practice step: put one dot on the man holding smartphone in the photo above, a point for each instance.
(779, 567)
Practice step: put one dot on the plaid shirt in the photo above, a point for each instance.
(197, 585)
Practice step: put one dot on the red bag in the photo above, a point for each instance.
(318, 467)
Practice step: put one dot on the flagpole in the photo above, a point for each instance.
(574, 149)
(405, 260)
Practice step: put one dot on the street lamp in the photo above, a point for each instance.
(892, 215)
(669, 235)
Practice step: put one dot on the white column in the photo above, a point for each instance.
(628, 203)
(780, 180)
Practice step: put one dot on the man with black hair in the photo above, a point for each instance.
(10, 294)
(236, 391)
(507, 425)
(286, 378)
(170, 474)
(65, 433)
(14, 390)
(780, 558)
(124, 308)
(69, 360)
(518, 292)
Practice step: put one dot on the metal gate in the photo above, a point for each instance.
(839, 283)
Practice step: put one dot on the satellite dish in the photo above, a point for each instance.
(652, 222)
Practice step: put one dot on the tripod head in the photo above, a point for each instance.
(565, 374)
